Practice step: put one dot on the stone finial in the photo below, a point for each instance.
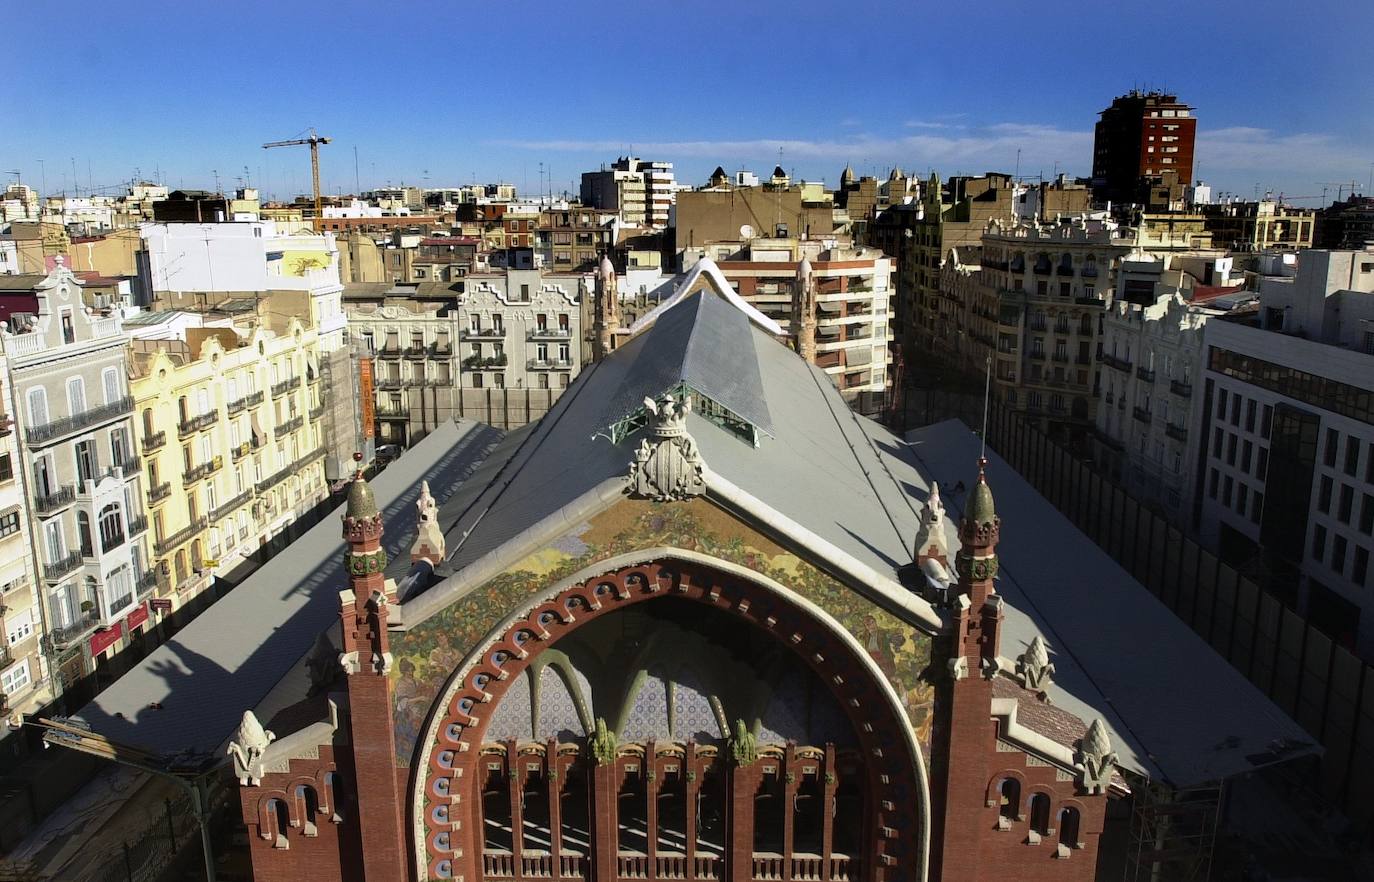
(603, 743)
(1096, 756)
(247, 749)
(667, 464)
(744, 747)
(429, 539)
(931, 541)
(1033, 667)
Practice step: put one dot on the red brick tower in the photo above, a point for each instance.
(968, 733)
(366, 659)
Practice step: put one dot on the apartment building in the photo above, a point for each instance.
(236, 267)
(409, 332)
(1264, 225)
(521, 329)
(1141, 136)
(68, 367)
(229, 425)
(1285, 441)
(639, 191)
(25, 684)
(573, 239)
(853, 303)
(1035, 305)
(1152, 351)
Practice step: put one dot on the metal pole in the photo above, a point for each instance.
(200, 806)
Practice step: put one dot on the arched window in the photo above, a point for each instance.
(632, 814)
(496, 816)
(808, 819)
(1009, 799)
(672, 814)
(76, 396)
(335, 797)
(278, 820)
(113, 388)
(308, 806)
(38, 406)
(1040, 814)
(1068, 827)
(148, 422)
(83, 532)
(111, 527)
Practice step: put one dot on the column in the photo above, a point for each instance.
(739, 839)
(651, 810)
(604, 785)
(691, 787)
(831, 779)
(515, 781)
(554, 775)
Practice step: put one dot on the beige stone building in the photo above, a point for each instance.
(521, 329)
(68, 368)
(229, 427)
(25, 684)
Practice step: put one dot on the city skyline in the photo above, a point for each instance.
(953, 101)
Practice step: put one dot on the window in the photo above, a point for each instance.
(1262, 462)
(1212, 478)
(1245, 450)
(1266, 415)
(1227, 485)
(6, 468)
(1352, 455)
(9, 525)
(1329, 457)
(76, 396)
(1216, 443)
(1339, 544)
(1231, 449)
(111, 527)
(1359, 568)
(110, 379)
(68, 331)
(1347, 502)
(1242, 496)
(1040, 814)
(1318, 542)
(1221, 404)
(1250, 415)
(1367, 515)
(1256, 507)
(1235, 410)
(1324, 494)
(15, 679)
(87, 463)
(38, 406)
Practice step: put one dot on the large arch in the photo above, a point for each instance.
(446, 783)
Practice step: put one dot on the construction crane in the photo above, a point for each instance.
(314, 141)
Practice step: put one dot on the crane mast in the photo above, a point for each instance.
(314, 142)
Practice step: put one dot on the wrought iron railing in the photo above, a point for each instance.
(76, 422)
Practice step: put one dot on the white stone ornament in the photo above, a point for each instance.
(247, 749)
(1097, 758)
(667, 465)
(1033, 667)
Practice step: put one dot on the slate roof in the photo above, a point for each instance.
(241, 648)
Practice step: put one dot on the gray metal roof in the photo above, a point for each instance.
(702, 342)
(1175, 708)
(240, 649)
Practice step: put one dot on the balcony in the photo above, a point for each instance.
(239, 452)
(1177, 432)
(417, 353)
(1036, 354)
(6, 424)
(1083, 359)
(442, 349)
(547, 333)
(294, 468)
(391, 383)
(90, 417)
(549, 364)
(59, 570)
(483, 334)
(290, 383)
(1061, 357)
(144, 585)
(194, 424)
(47, 503)
(1112, 361)
(252, 399)
(389, 351)
(316, 413)
(1141, 413)
(181, 536)
(477, 362)
(286, 428)
(160, 492)
(1181, 388)
(219, 512)
(86, 621)
(1146, 374)
(138, 525)
(204, 470)
(153, 442)
(387, 409)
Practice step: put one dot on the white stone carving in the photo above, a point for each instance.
(1097, 758)
(247, 749)
(1033, 667)
(429, 539)
(667, 465)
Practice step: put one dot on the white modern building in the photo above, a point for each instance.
(1285, 440)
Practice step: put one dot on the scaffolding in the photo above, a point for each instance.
(1173, 832)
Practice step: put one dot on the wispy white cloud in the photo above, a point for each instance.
(929, 124)
(851, 122)
(1273, 159)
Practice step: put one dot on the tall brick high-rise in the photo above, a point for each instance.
(1141, 136)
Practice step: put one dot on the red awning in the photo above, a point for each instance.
(103, 640)
(137, 617)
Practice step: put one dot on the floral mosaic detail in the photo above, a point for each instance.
(426, 656)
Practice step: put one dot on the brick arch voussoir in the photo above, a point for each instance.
(453, 757)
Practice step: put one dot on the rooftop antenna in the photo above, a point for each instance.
(987, 389)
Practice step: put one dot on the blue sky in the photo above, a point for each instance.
(447, 92)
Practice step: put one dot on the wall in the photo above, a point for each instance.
(1327, 689)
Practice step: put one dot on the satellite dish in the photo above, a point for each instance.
(746, 231)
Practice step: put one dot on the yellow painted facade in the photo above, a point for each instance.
(228, 425)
